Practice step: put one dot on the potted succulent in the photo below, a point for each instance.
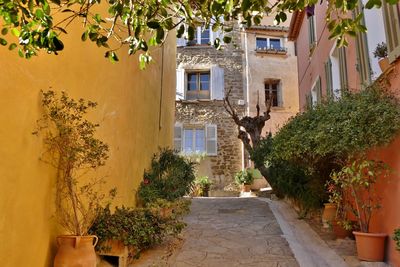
(381, 53)
(204, 183)
(74, 151)
(244, 178)
(357, 180)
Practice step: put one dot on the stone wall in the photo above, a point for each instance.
(220, 168)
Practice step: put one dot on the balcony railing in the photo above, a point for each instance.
(272, 50)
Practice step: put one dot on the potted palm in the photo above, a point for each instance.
(357, 180)
(381, 53)
(204, 183)
(74, 151)
(244, 178)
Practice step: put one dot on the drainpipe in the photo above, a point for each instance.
(246, 86)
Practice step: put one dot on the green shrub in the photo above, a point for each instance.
(138, 229)
(396, 238)
(244, 177)
(169, 177)
(335, 130)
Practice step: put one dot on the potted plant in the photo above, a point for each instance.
(381, 53)
(204, 183)
(244, 178)
(357, 180)
(396, 238)
(74, 151)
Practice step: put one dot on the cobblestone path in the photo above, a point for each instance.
(232, 232)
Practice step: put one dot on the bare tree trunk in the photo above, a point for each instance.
(250, 128)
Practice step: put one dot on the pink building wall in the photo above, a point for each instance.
(309, 68)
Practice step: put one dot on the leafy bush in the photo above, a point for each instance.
(138, 229)
(301, 156)
(168, 178)
(333, 131)
(396, 237)
(244, 177)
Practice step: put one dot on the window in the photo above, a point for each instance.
(192, 84)
(265, 44)
(191, 139)
(316, 92)
(311, 32)
(198, 85)
(202, 36)
(272, 92)
(328, 78)
(392, 28)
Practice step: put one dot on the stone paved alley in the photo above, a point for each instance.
(249, 232)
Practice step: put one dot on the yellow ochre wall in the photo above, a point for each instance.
(128, 113)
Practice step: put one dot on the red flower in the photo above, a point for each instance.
(146, 181)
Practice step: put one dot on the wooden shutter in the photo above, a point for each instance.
(343, 68)
(279, 94)
(308, 102)
(178, 137)
(180, 42)
(363, 64)
(392, 28)
(211, 139)
(328, 78)
(318, 90)
(217, 83)
(180, 84)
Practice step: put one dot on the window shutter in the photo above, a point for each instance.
(180, 84)
(180, 42)
(328, 78)
(178, 137)
(280, 95)
(319, 90)
(392, 28)
(343, 68)
(217, 83)
(309, 103)
(211, 139)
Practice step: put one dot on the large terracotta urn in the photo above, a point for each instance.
(328, 214)
(76, 251)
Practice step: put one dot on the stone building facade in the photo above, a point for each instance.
(204, 76)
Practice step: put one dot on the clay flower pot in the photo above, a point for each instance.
(384, 64)
(339, 231)
(76, 251)
(370, 246)
(246, 187)
(328, 214)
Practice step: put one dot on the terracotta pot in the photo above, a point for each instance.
(384, 64)
(74, 251)
(246, 187)
(328, 214)
(339, 231)
(370, 246)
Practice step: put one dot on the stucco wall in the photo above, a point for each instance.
(128, 112)
(311, 65)
(262, 66)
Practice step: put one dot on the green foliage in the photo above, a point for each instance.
(334, 130)
(138, 229)
(73, 150)
(244, 177)
(201, 186)
(355, 184)
(169, 177)
(396, 237)
(381, 51)
(139, 25)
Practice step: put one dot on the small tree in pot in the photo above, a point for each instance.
(244, 178)
(74, 151)
(357, 181)
(381, 53)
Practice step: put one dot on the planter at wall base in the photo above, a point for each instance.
(370, 246)
(115, 248)
(339, 231)
(384, 64)
(75, 251)
(328, 214)
(246, 187)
